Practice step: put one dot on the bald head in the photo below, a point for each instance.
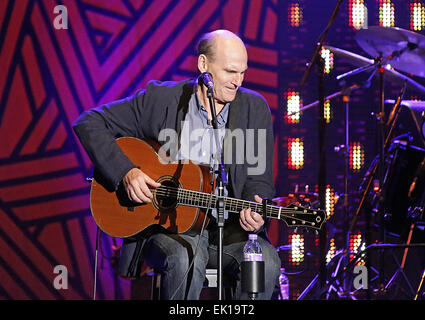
(211, 42)
(223, 55)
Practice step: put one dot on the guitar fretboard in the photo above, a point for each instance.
(205, 200)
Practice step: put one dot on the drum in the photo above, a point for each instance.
(402, 166)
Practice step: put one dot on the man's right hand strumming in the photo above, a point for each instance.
(137, 184)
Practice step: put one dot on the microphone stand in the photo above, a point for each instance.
(222, 181)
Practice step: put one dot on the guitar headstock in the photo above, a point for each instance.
(299, 216)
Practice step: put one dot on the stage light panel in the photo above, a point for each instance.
(386, 13)
(356, 245)
(295, 14)
(328, 56)
(331, 199)
(417, 16)
(357, 12)
(295, 153)
(356, 156)
(293, 105)
(327, 111)
(332, 250)
(297, 254)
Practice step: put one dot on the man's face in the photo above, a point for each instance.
(228, 69)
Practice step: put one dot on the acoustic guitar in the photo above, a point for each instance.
(180, 203)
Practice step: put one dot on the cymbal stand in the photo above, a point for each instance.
(346, 100)
(381, 148)
(345, 93)
(344, 255)
(318, 61)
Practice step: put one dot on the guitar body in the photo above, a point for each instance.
(118, 216)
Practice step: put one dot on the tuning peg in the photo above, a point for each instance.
(296, 230)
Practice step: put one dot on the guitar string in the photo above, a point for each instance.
(201, 197)
(188, 195)
(232, 203)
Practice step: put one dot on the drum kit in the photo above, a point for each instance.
(393, 188)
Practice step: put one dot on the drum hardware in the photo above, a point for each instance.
(319, 62)
(403, 49)
(415, 106)
(344, 258)
(401, 56)
(304, 198)
(423, 125)
(416, 194)
(377, 42)
(346, 156)
(401, 187)
(329, 97)
(416, 210)
(420, 286)
(379, 290)
(343, 150)
(366, 64)
(390, 47)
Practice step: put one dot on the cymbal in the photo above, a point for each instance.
(360, 61)
(415, 105)
(353, 58)
(403, 49)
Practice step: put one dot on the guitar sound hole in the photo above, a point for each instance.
(166, 195)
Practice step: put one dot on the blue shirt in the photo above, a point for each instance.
(197, 141)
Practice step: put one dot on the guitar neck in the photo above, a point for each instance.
(205, 200)
(292, 215)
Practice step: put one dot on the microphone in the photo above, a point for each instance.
(207, 80)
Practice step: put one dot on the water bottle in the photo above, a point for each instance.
(252, 268)
(284, 285)
(252, 250)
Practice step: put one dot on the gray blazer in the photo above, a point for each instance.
(164, 105)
